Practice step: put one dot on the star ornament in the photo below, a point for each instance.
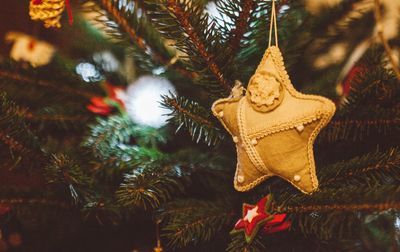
(274, 127)
(257, 216)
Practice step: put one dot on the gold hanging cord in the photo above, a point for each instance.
(273, 22)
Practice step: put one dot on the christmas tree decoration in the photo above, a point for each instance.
(91, 160)
(258, 216)
(29, 49)
(143, 99)
(104, 105)
(49, 11)
(343, 88)
(159, 247)
(4, 209)
(274, 126)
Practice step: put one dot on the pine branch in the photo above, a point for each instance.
(18, 78)
(110, 141)
(359, 129)
(182, 18)
(369, 168)
(182, 227)
(371, 107)
(66, 175)
(197, 40)
(33, 201)
(16, 136)
(126, 27)
(241, 25)
(103, 211)
(238, 243)
(346, 198)
(194, 117)
(150, 186)
(337, 207)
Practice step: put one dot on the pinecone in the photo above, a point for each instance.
(49, 11)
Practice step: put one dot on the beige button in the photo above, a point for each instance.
(240, 178)
(254, 142)
(221, 114)
(297, 178)
(300, 128)
(235, 139)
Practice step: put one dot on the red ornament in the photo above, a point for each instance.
(99, 106)
(104, 105)
(277, 224)
(354, 72)
(256, 216)
(4, 209)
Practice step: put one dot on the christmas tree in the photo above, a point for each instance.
(108, 140)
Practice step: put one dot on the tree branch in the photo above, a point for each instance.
(199, 119)
(241, 25)
(139, 41)
(183, 18)
(336, 207)
(19, 78)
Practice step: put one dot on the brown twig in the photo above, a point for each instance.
(173, 103)
(183, 18)
(337, 207)
(200, 221)
(139, 41)
(388, 50)
(21, 201)
(387, 166)
(17, 77)
(241, 25)
(365, 122)
(60, 118)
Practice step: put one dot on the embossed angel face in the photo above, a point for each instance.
(264, 89)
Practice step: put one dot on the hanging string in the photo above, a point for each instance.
(273, 25)
(69, 11)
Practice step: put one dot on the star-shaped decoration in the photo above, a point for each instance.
(251, 214)
(257, 216)
(274, 127)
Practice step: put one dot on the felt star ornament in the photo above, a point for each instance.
(257, 216)
(274, 127)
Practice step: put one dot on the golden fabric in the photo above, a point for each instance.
(274, 127)
(49, 11)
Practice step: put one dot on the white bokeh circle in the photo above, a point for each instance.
(143, 99)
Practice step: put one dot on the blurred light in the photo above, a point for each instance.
(397, 223)
(143, 99)
(88, 72)
(107, 61)
(215, 14)
(159, 70)
(284, 8)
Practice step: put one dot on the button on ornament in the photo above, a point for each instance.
(221, 114)
(300, 128)
(296, 178)
(240, 178)
(235, 139)
(254, 142)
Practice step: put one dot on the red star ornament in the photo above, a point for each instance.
(104, 105)
(257, 216)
